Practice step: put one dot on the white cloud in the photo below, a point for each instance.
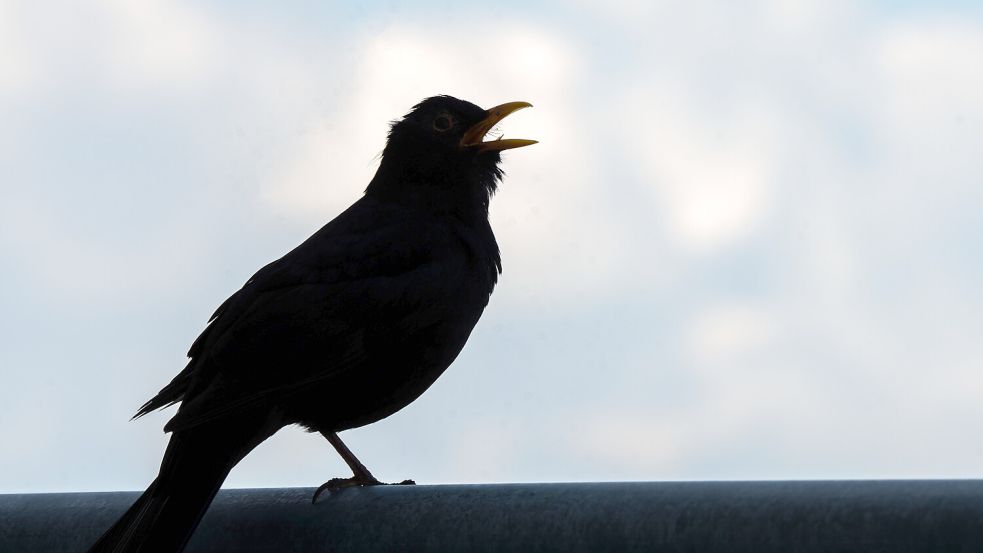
(484, 453)
(855, 177)
(75, 270)
(927, 103)
(726, 332)
(712, 178)
(933, 62)
(156, 43)
(317, 177)
(62, 48)
(636, 442)
(17, 66)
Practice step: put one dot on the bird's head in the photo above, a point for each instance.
(436, 154)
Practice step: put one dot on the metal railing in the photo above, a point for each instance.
(759, 517)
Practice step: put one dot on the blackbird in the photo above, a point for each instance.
(344, 330)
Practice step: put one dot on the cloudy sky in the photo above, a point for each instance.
(748, 246)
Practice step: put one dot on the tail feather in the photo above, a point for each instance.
(164, 517)
(129, 520)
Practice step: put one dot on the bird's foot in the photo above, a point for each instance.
(336, 484)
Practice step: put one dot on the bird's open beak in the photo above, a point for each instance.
(473, 137)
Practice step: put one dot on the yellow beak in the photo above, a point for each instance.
(473, 136)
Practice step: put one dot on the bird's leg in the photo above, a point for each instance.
(362, 476)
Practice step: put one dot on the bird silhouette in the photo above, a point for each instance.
(344, 330)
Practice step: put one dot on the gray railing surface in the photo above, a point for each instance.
(758, 517)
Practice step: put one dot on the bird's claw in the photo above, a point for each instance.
(336, 484)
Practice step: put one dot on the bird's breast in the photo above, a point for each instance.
(415, 334)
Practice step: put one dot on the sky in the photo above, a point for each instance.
(747, 246)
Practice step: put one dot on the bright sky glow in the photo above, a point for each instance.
(747, 245)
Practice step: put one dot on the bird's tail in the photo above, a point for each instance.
(164, 517)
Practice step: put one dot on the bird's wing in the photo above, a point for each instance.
(268, 279)
(294, 338)
(301, 318)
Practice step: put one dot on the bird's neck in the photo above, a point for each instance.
(441, 190)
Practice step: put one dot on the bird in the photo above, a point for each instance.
(344, 330)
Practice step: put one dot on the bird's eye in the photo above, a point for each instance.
(442, 123)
